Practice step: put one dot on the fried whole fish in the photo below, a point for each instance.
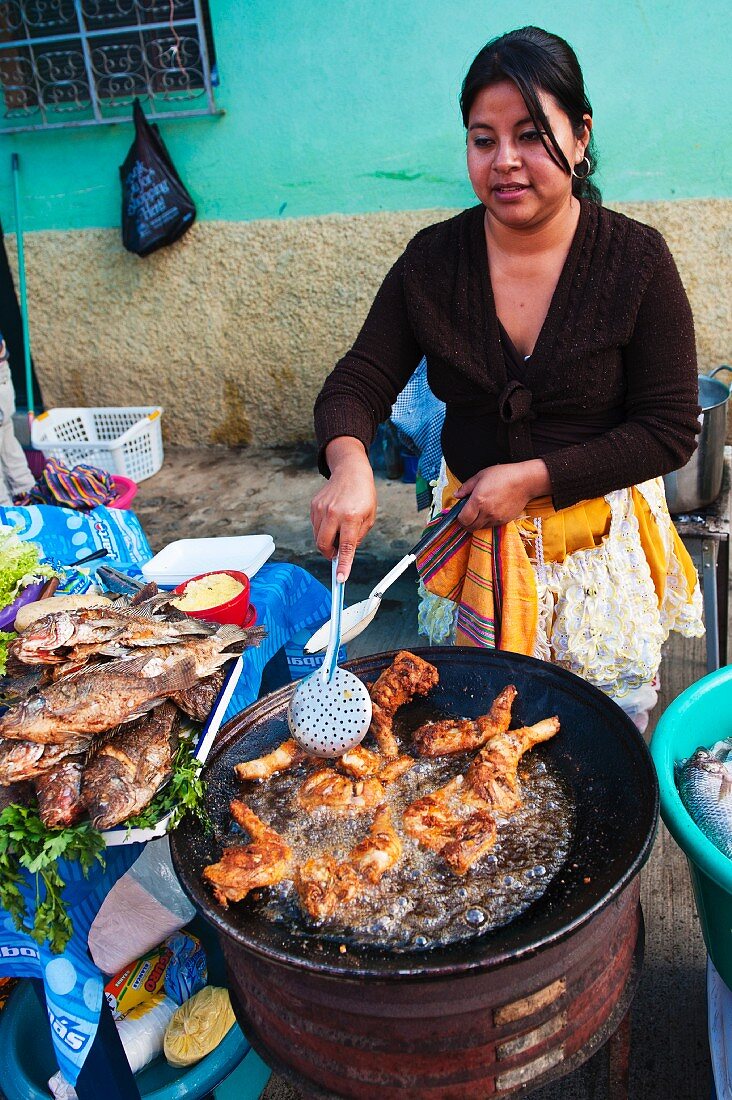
(13, 688)
(16, 794)
(130, 767)
(208, 654)
(198, 701)
(24, 760)
(48, 640)
(58, 791)
(95, 700)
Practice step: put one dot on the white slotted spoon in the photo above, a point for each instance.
(330, 710)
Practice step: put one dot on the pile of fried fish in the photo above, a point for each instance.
(458, 820)
(95, 699)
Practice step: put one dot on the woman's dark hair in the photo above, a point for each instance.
(537, 61)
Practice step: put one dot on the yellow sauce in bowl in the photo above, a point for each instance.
(208, 592)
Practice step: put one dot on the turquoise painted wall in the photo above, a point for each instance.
(350, 106)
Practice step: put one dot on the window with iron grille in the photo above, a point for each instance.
(83, 62)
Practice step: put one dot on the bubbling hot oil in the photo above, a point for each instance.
(420, 903)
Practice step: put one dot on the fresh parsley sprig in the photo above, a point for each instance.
(25, 842)
(182, 795)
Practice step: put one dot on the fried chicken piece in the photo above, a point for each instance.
(442, 822)
(450, 736)
(433, 819)
(492, 778)
(458, 819)
(473, 837)
(393, 769)
(263, 862)
(327, 788)
(323, 885)
(359, 762)
(407, 676)
(285, 756)
(379, 850)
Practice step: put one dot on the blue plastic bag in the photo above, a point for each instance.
(65, 536)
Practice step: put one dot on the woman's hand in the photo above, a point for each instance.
(344, 510)
(500, 493)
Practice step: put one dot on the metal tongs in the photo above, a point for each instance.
(113, 580)
(356, 618)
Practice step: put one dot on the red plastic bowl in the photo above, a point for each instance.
(233, 612)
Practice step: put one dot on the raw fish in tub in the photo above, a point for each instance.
(705, 787)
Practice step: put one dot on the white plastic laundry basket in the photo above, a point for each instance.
(124, 441)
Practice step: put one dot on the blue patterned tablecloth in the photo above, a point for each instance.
(287, 600)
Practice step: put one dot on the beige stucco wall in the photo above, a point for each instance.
(234, 328)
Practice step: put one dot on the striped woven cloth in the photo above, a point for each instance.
(83, 487)
(489, 576)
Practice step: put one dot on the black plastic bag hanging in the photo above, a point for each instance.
(156, 207)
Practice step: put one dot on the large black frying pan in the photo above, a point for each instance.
(598, 751)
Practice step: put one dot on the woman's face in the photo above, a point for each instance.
(510, 170)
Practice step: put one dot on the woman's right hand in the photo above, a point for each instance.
(344, 510)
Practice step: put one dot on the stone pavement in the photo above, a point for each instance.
(216, 491)
(220, 491)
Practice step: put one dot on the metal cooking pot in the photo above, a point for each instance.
(699, 482)
(445, 1022)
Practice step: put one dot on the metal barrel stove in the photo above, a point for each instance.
(498, 1014)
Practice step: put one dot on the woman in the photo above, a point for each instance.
(561, 340)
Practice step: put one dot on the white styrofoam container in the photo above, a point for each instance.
(186, 558)
(122, 440)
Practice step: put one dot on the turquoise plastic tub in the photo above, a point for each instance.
(27, 1059)
(700, 716)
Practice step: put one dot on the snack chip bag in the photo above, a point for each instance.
(177, 968)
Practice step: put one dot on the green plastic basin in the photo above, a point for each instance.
(700, 716)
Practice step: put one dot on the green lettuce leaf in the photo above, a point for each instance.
(19, 564)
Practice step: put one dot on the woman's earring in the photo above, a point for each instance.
(586, 172)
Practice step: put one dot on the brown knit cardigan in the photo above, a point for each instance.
(616, 349)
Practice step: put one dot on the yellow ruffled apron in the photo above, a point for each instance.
(595, 588)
